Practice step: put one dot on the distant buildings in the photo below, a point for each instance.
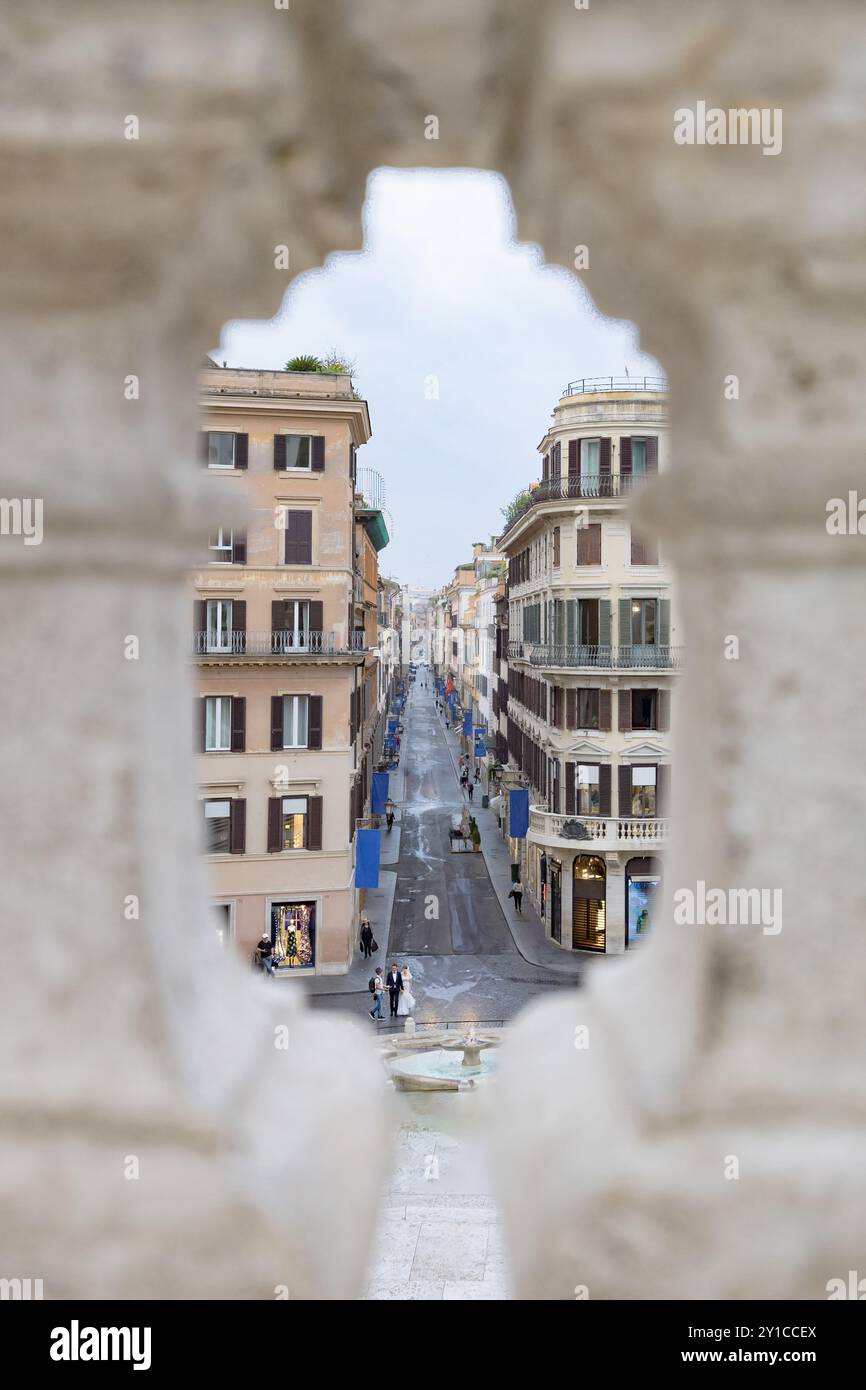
(296, 649)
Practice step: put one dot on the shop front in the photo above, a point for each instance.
(293, 934)
(588, 889)
(555, 876)
(642, 885)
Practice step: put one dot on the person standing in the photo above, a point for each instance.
(469, 788)
(517, 894)
(394, 984)
(366, 938)
(377, 988)
(407, 998)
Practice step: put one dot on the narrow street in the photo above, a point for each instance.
(447, 922)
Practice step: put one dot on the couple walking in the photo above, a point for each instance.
(399, 986)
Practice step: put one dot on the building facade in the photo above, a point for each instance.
(588, 666)
(285, 615)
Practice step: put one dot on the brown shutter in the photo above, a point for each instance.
(582, 545)
(604, 703)
(663, 787)
(237, 826)
(275, 824)
(663, 710)
(276, 723)
(573, 458)
(314, 822)
(625, 456)
(239, 548)
(318, 459)
(594, 543)
(239, 724)
(570, 774)
(571, 709)
(638, 556)
(556, 547)
(239, 625)
(278, 621)
(199, 620)
(623, 701)
(604, 456)
(624, 807)
(201, 722)
(314, 722)
(317, 609)
(353, 727)
(203, 446)
(299, 538)
(241, 448)
(652, 455)
(279, 451)
(604, 789)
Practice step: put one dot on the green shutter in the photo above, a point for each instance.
(664, 636)
(571, 622)
(625, 622)
(604, 637)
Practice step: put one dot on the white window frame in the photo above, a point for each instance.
(222, 545)
(596, 440)
(223, 467)
(587, 782)
(638, 439)
(297, 800)
(210, 814)
(217, 702)
(217, 604)
(296, 705)
(300, 467)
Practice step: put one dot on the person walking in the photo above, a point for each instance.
(470, 787)
(478, 774)
(517, 894)
(377, 989)
(394, 984)
(366, 938)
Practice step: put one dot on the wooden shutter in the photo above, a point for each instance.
(570, 774)
(275, 824)
(582, 545)
(624, 707)
(625, 457)
(204, 446)
(239, 547)
(663, 789)
(353, 727)
(278, 615)
(604, 789)
(557, 460)
(299, 538)
(625, 622)
(545, 468)
(571, 709)
(637, 550)
(239, 625)
(318, 453)
(604, 635)
(239, 724)
(556, 547)
(276, 723)
(237, 826)
(594, 533)
(652, 455)
(604, 457)
(604, 704)
(201, 723)
(573, 458)
(241, 449)
(624, 807)
(664, 616)
(314, 721)
(314, 822)
(663, 710)
(199, 624)
(279, 451)
(317, 609)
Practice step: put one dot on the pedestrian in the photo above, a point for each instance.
(366, 938)
(389, 817)
(265, 954)
(376, 987)
(517, 894)
(478, 774)
(447, 726)
(470, 789)
(394, 983)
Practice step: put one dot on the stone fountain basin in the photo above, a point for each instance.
(436, 1062)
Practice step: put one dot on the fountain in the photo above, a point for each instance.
(434, 1064)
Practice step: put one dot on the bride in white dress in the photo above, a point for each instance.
(406, 1002)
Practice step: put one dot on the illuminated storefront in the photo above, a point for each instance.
(589, 880)
(293, 933)
(642, 882)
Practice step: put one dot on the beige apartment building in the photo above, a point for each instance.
(589, 663)
(284, 639)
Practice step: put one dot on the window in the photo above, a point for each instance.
(296, 721)
(643, 709)
(588, 800)
(590, 454)
(587, 614)
(221, 545)
(586, 712)
(294, 822)
(644, 552)
(638, 458)
(217, 815)
(219, 625)
(643, 793)
(299, 453)
(218, 724)
(220, 449)
(643, 622)
(297, 619)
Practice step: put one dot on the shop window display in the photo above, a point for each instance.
(293, 932)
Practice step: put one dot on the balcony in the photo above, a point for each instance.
(584, 488)
(556, 656)
(602, 832)
(592, 385)
(282, 644)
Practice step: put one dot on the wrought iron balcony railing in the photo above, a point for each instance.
(589, 385)
(654, 657)
(278, 644)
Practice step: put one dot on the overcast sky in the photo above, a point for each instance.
(443, 291)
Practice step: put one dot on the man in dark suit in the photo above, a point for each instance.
(394, 985)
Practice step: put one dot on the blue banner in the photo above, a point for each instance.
(518, 814)
(367, 858)
(379, 794)
(467, 721)
(392, 726)
(480, 750)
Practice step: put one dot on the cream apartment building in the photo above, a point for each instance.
(285, 681)
(592, 659)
